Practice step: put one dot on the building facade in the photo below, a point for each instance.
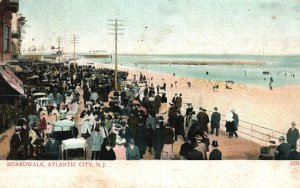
(7, 9)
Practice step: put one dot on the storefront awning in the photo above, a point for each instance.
(11, 79)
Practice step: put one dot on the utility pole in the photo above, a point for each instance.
(42, 50)
(74, 41)
(42, 53)
(116, 28)
(59, 40)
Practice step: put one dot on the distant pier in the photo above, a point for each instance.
(205, 62)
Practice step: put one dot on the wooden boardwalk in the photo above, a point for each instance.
(234, 148)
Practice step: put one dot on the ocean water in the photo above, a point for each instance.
(281, 67)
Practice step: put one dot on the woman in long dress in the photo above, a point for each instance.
(230, 124)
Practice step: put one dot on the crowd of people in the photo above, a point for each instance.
(34, 136)
(120, 124)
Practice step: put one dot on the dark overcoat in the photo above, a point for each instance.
(158, 139)
(215, 120)
(215, 155)
(140, 138)
(230, 126)
(292, 136)
(179, 124)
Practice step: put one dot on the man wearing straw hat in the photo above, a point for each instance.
(292, 135)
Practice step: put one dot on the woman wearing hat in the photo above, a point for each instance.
(230, 124)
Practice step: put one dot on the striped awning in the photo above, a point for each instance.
(12, 80)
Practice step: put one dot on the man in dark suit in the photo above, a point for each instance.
(174, 99)
(215, 154)
(52, 148)
(178, 102)
(283, 150)
(195, 154)
(203, 120)
(292, 135)
(215, 121)
(179, 125)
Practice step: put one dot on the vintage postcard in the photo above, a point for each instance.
(162, 93)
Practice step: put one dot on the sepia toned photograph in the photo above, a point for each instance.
(162, 93)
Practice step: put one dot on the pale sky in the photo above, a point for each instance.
(167, 26)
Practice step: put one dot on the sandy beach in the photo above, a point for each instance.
(260, 106)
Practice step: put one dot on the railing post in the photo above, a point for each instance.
(251, 132)
(272, 134)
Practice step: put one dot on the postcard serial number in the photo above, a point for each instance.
(295, 163)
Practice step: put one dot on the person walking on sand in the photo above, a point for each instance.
(235, 121)
(215, 121)
(292, 135)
